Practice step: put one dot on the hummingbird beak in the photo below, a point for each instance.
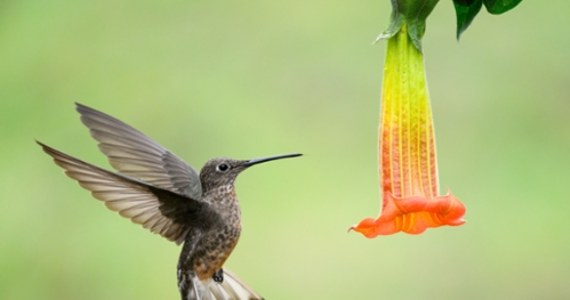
(255, 161)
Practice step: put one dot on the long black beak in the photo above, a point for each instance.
(256, 161)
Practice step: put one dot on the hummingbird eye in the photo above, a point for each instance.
(223, 167)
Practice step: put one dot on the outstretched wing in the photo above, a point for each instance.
(134, 154)
(161, 211)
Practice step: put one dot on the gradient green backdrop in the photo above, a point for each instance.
(254, 78)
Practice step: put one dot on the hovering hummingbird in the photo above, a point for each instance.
(155, 188)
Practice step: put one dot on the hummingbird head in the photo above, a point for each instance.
(224, 171)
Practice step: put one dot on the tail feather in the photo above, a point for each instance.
(232, 288)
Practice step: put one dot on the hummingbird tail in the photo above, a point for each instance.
(232, 288)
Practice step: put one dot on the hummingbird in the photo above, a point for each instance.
(156, 189)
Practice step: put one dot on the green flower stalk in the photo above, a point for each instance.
(413, 14)
(407, 156)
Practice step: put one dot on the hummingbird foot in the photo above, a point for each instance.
(219, 276)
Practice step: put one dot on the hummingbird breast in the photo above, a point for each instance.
(218, 242)
(213, 250)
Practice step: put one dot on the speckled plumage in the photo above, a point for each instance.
(155, 188)
(214, 244)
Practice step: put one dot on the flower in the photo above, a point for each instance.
(408, 164)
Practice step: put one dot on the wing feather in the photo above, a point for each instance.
(129, 197)
(134, 154)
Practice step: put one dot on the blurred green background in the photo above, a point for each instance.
(254, 78)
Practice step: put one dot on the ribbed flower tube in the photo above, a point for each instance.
(407, 155)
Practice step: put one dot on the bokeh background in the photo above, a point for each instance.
(255, 78)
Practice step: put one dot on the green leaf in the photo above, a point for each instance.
(466, 10)
(497, 7)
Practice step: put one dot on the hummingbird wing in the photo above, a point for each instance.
(134, 154)
(161, 211)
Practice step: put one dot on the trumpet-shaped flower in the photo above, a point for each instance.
(408, 164)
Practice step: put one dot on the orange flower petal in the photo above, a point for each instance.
(413, 215)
